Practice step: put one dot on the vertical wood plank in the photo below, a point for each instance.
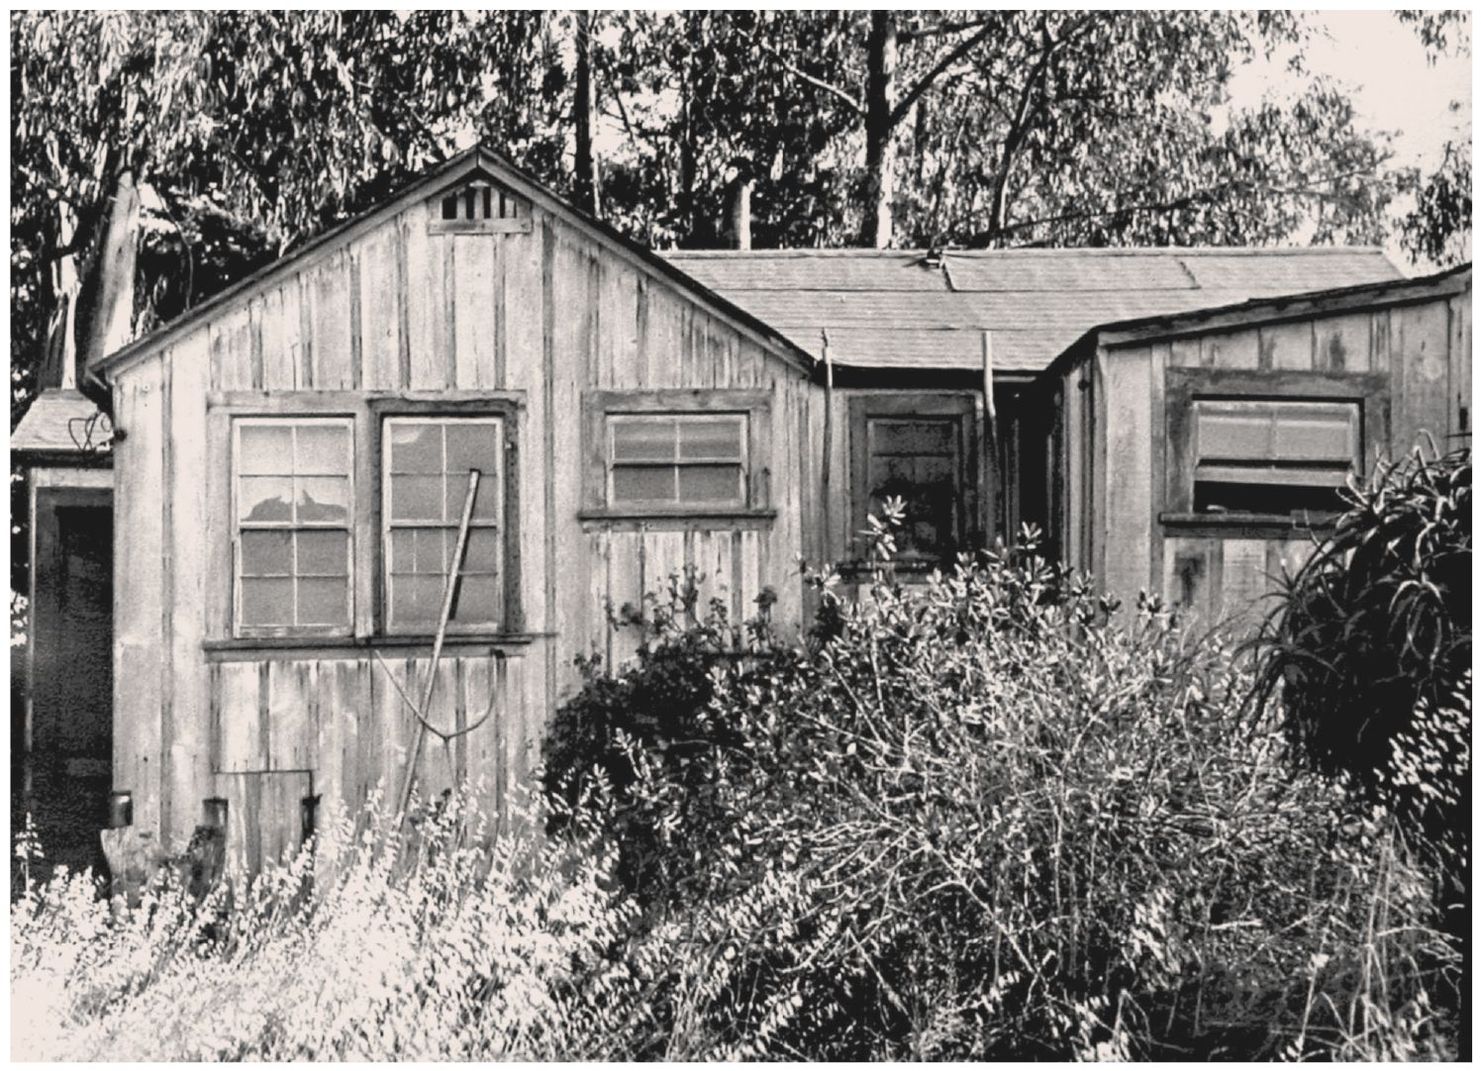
(188, 744)
(138, 578)
(1460, 417)
(239, 718)
(1245, 580)
(279, 339)
(475, 324)
(424, 302)
(1286, 345)
(1344, 343)
(231, 350)
(1157, 416)
(1420, 375)
(332, 301)
(379, 254)
(1126, 527)
(1234, 349)
(293, 693)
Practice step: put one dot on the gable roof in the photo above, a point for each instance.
(478, 160)
(890, 309)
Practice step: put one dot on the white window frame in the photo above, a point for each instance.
(239, 628)
(496, 482)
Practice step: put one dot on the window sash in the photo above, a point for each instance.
(684, 462)
(883, 434)
(481, 586)
(1277, 432)
(305, 468)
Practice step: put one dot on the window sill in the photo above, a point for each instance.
(679, 518)
(252, 648)
(1235, 525)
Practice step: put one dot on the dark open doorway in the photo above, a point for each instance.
(61, 770)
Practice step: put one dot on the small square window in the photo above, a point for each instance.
(671, 460)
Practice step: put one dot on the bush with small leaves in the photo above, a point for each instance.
(988, 818)
(449, 942)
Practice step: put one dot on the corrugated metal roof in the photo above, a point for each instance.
(893, 309)
(61, 422)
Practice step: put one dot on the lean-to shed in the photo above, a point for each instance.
(1198, 454)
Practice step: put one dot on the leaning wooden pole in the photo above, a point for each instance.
(453, 569)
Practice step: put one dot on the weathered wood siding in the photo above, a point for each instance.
(399, 310)
(1422, 350)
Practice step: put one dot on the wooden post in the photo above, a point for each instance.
(454, 567)
(988, 482)
(827, 448)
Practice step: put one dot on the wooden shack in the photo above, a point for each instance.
(1198, 455)
(477, 375)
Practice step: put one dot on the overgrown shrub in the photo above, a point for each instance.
(449, 944)
(1369, 648)
(659, 704)
(985, 820)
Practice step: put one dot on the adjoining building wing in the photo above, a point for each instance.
(909, 309)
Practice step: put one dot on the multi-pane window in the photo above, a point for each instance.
(677, 460)
(293, 488)
(917, 459)
(426, 478)
(1273, 455)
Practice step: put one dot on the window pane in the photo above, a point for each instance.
(267, 602)
(473, 446)
(323, 602)
(717, 439)
(323, 499)
(265, 449)
(431, 553)
(478, 600)
(642, 484)
(415, 447)
(416, 599)
(403, 542)
(483, 551)
(710, 483)
(323, 450)
(913, 437)
(416, 498)
(1316, 433)
(643, 439)
(323, 553)
(263, 499)
(267, 553)
(485, 504)
(1231, 432)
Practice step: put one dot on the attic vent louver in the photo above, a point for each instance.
(479, 207)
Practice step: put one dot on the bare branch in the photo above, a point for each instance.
(926, 80)
(907, 36)
(817, 83)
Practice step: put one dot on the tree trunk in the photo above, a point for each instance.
(688, 163)
(879, 132)
(59, 365)
(105, 305)
(588, 181)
